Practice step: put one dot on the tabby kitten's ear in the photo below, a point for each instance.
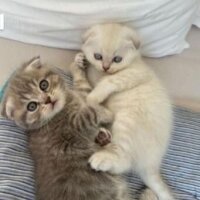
(7, 108)
(34, 63)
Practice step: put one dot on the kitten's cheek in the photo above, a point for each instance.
(99, 67)
(58, 106)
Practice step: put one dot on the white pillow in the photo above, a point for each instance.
(162, 24)
(197, 16)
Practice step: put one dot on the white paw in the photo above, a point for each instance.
(92, 100)
(80, 60)
(102, 161)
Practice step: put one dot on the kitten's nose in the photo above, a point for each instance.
(48, 100)
(106, 67)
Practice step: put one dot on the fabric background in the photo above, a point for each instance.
(162, 24)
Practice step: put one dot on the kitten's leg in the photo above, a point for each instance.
(154, 181)
(112, 159)
(117, 156)
(148, 195)
(105, 116)
(77, 69)
(113, 84)
(123, 191)
(83, 87)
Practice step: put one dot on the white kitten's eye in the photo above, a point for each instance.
(44, 84)
(98, 56)
(117, 59)
(32, 106)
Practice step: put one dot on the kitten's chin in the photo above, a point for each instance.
(111, 71)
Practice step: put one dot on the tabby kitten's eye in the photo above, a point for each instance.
(117, 59)
(98, 56)
(32, 106)
(44, 84)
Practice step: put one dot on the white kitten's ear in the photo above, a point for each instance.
(88, 34)
(133, 36)
(7, 108)
(34, 63)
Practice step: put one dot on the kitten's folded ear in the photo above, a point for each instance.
(7, 108)
(89, 33)
(133, 36)
(34, 63)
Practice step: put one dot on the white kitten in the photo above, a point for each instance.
(142, 110)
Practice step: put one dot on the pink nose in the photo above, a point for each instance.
(106, 68)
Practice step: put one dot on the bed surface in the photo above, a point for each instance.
(180, 168)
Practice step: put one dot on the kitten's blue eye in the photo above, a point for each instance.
(98, 56)
(32, 106)
(44, 84)
(117, 59)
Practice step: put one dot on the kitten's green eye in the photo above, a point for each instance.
(117, 59)
(44, 84)
(32, 106)
(98, 56)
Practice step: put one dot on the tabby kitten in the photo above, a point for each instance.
(62, 129)
(142, 111)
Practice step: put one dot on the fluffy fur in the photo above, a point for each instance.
(141, 107)
(62, 130)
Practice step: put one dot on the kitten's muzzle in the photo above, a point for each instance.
(106, 67)
(50, 101)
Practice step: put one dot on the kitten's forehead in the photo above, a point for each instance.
(25, 82)
(37, 73)
(111, 38)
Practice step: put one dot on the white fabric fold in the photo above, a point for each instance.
(162, 24)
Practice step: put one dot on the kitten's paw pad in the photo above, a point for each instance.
(81, 61)
(104, 137)
(102, 161)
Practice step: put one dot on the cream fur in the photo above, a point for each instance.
(141, 107)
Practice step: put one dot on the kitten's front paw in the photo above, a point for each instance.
(81, 61)
(92, 100)
(104, 137)
(102, 161)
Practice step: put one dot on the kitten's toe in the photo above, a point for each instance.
(81, 61)
(102, 161)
